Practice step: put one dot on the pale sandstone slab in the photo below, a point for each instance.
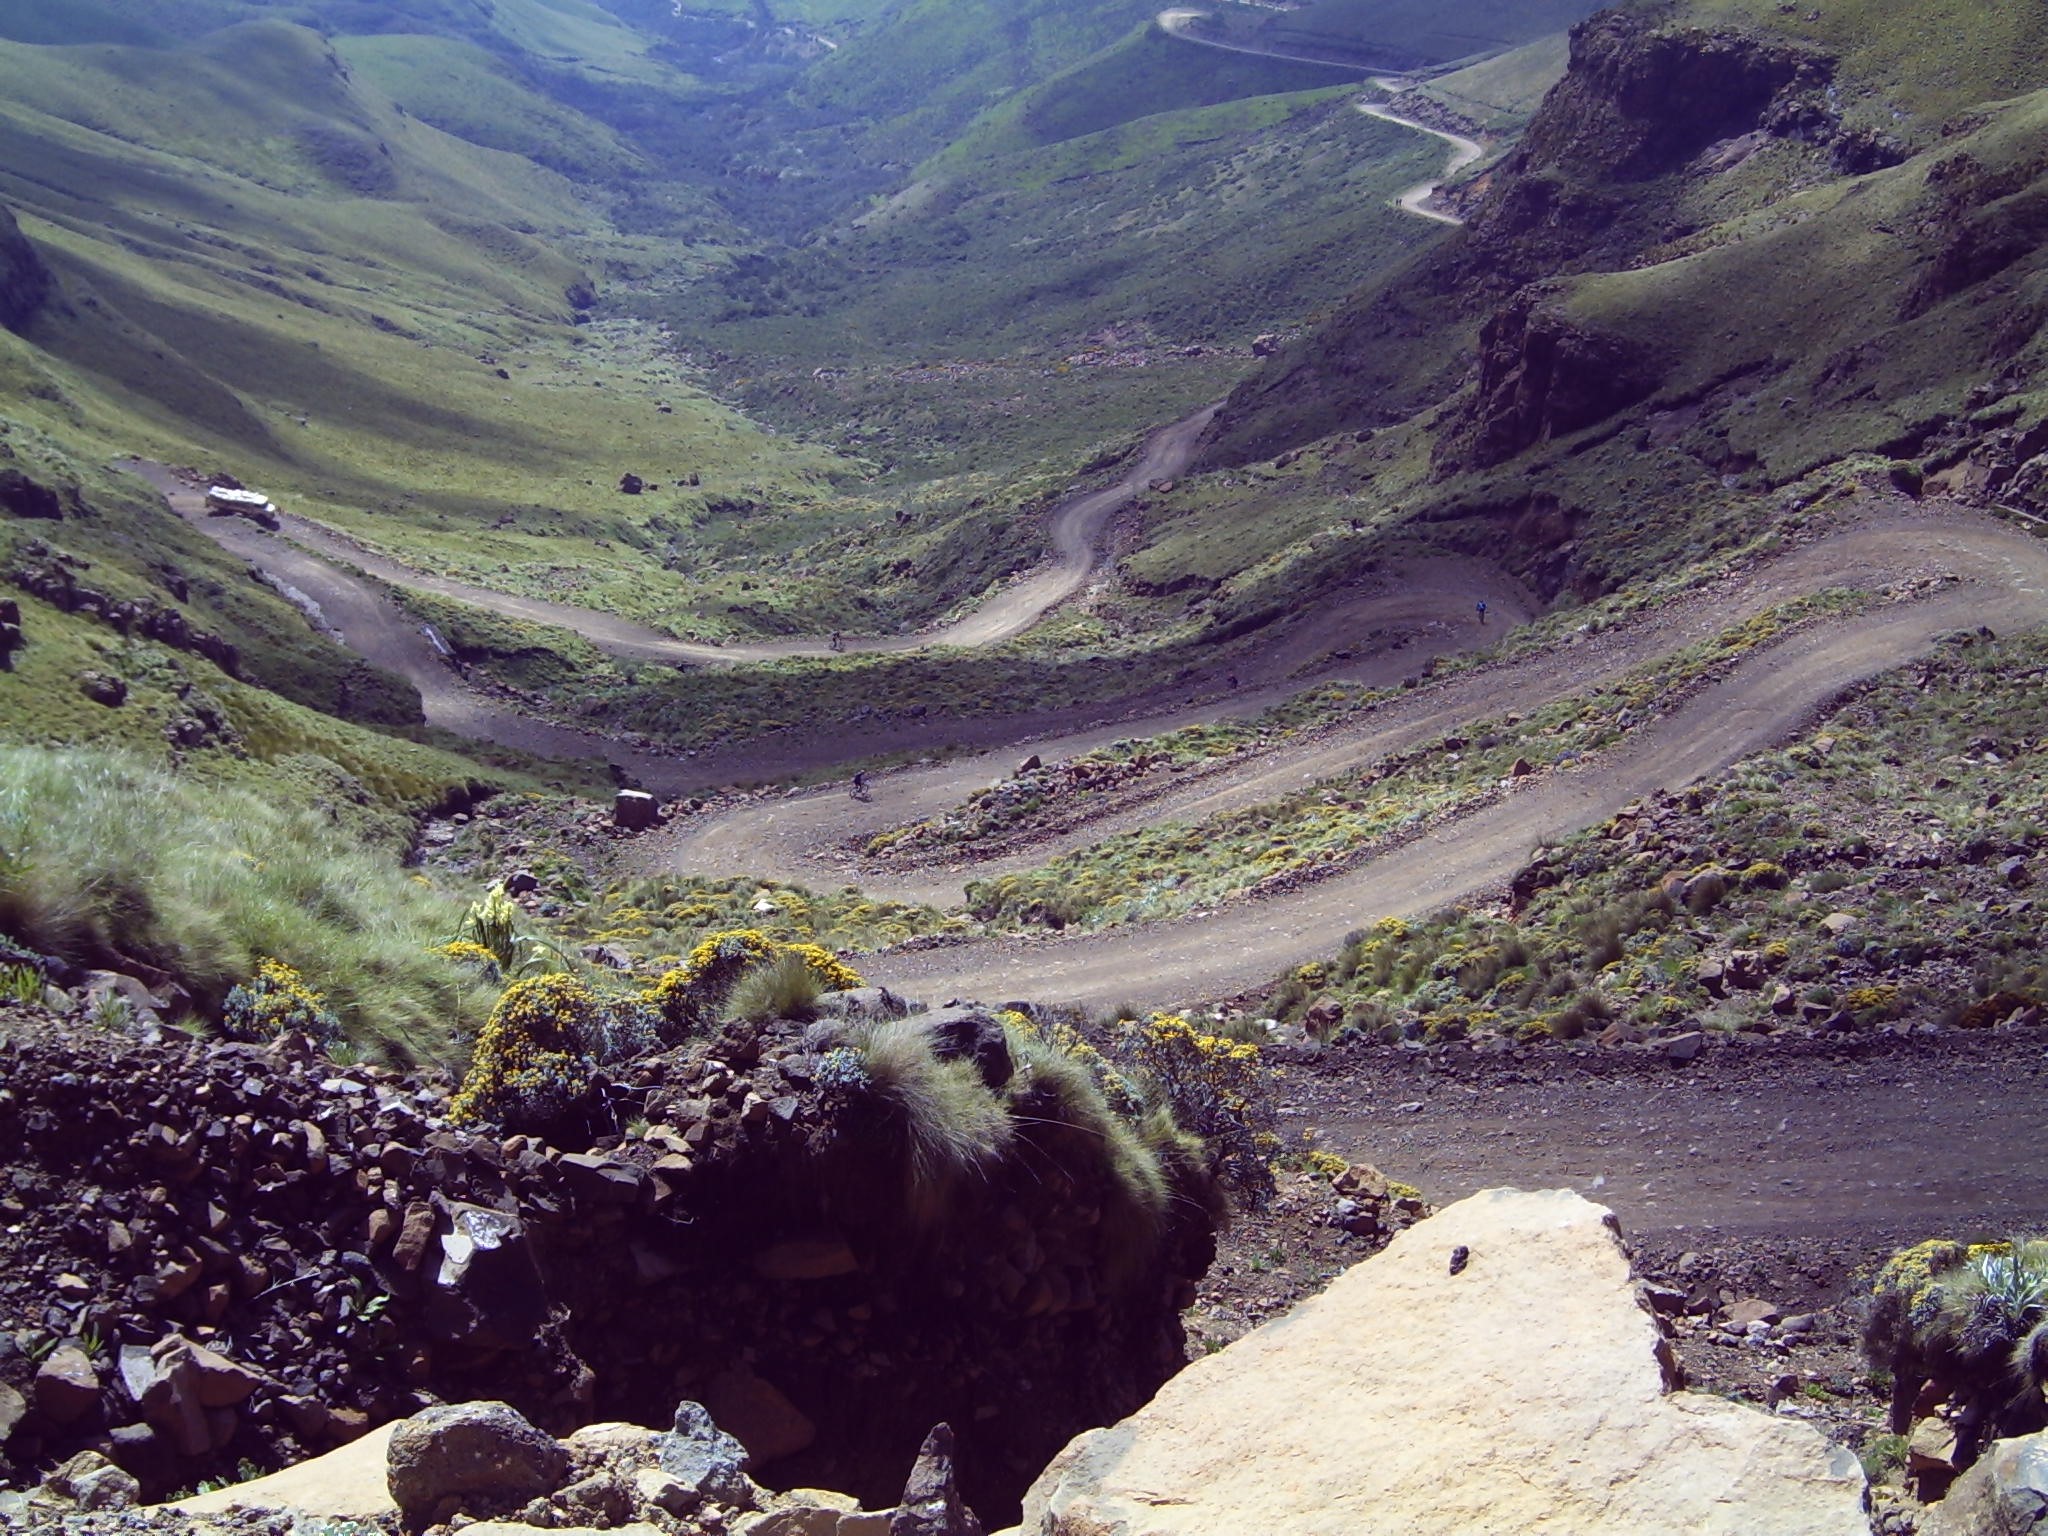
(349, 1483)
(1522, 1395)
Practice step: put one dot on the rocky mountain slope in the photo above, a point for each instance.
(1703, 228)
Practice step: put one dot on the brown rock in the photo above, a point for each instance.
(218, 1381)
(459, 1451)
(13, 1406)
(806, 1259)
(1679, 1049)
(414, 1234)
(634, 810)
(93, 1483)
(1752, 1309)
(67, 1388)
(931, 1503)
(759, 1415)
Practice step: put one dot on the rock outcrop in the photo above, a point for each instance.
(2004, 1494)
(1524, 1390)
(25, 283)
(485, 1464)
(1544, 374)
(258, 1255)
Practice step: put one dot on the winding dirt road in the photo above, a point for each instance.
(304, 553)
(1180, 23)
(1378, 632)
(2000, 579)
(1464, 152)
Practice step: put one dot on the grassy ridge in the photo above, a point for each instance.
(1278, 203)
(262, 253)
(1400, 33)
(932, 65)
(1143, 75)
(1502, 93)
(1909, 66)
(1798, 857)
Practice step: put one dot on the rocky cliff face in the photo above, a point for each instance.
(1637, 103)
(25, 283)
(1587, 189)
(1639, 100)
(1541, 374)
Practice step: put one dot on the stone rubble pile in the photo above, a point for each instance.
(482, 1467)
(215, 1254)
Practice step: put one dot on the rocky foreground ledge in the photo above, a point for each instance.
(216, 1258)
(1494, 1370)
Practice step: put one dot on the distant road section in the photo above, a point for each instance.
(1464, 152)
(305, 553)
(1416, 199)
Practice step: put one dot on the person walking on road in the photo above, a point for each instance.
(1482, 610)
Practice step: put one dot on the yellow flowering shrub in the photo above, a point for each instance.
(1218, 1088)
(529, 1067)
(688, 995)
(1879, 998)
(275, 1001)
(1323, 1163)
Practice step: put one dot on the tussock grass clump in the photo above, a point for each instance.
(690, 996)
(106, 862)
(787, 987)
(952, 1127)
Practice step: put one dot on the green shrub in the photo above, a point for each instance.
(21, 984)
(1974, 1317)
(106, 862)
(1882, 1455)
(689, 997)
(1218, 1089)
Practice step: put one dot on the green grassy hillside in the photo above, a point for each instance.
(932, 65)
(1049, 296)
(1143, 75)
(1502, 93)
(1666, 332)
(1396, 34)
(268, 262)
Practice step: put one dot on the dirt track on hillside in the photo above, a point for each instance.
(2001, 580)
(1415, 200)
(305, 553)
(1379, 630)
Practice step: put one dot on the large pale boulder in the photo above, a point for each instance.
(1521, 1393)
(351, 1483)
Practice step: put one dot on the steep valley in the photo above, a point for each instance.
(868, 712)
